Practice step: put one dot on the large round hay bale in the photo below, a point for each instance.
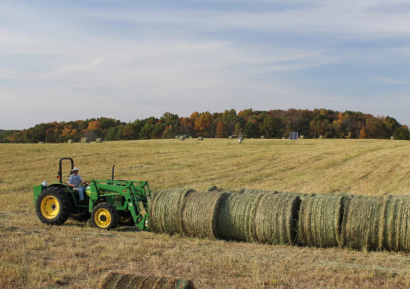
(200, 138)
(166, 210)
(361, 220)
(321, 219)
(276, 218)
(71, 141)
(395, 223)
(85, 140)
(200, 214)
(99, 140)
(236, 216)
(181, 138)
(129, 281)
(111, 280)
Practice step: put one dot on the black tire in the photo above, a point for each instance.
(81, 217)
(125, 219)
(53, 206)
(104, 216)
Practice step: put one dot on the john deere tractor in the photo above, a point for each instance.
(106, 204)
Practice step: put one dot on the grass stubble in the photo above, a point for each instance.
(33, 255)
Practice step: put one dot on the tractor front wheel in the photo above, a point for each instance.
(53, 206)
(104, 216)
(126, 218)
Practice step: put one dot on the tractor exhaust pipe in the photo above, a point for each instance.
(112, 173)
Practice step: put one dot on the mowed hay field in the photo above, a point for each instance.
(33, 255)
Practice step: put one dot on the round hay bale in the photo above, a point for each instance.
(85, 140)
(71, 141)
(135, 281)
(321, 220)
(200, 138)
(230, 137)
(395, 223)
(236, 216)
(165, 211)
(40, 142)
(262, 137)
(99, 140)
(181, 138)
(177, 137)
(276, 218)
(361, 220)
(200, 213)
(149, 282)
(110, 280)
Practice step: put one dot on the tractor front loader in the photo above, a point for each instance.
(106, 204)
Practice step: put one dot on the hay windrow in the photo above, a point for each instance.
(200, 214)
(395, 225)
(276, 218)
(236, 216)
(166, 210)
(320, 220)
(360, 228)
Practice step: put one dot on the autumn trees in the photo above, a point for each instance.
(252, 123)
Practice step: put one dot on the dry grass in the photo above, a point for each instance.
(33, 255)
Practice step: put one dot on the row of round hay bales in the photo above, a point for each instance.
(129, 281)
(322, 220)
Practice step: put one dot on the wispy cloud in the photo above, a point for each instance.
(390, 80)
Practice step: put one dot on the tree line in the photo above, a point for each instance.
(252, 123)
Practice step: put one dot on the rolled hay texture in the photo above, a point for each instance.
(321, 220)
(200, 138)
(276, 218)
(200, 214)
(395, 223)
(236, 216)
(71, 141)
(361, 220)
(99, 140)
(129, 281)
(165, 210)
(181, 138)
(85, 140)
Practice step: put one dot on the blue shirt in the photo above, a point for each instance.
(75, 180)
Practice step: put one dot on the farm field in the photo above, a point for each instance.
(33, 255)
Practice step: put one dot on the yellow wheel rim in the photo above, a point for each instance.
(50, 207)
(125, 219)
(102, 218)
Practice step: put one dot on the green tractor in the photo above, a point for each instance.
(106, 204)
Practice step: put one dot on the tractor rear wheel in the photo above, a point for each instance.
(104, 216)
(53, 206)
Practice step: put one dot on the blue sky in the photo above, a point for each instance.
(69, 60)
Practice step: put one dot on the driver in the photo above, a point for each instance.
(74, 181)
